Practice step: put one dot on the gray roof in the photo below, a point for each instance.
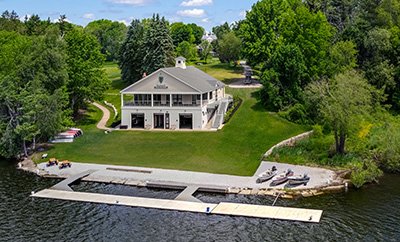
(195, 78)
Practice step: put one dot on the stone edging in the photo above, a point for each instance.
(113, 107)
(288, 142)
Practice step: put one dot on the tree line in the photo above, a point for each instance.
(333, 64)
(48, 72)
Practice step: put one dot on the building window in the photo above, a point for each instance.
(211, 95)
(177, 99)
(205, 96)
(195, 98)
(142, 99)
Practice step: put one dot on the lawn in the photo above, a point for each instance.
(222, 71)
(112, 94)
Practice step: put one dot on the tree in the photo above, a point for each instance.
(33, 98)
(342, 103)
(220, 30)
(87, 80)
(110, 35)
(186, 50)
(181, 32)
(205, 49)
(343, 55)
(63, 25)
(229, 47)
(285, 73)
(198, 33)
(132, 54)
(35, 26)
(157, 45)
(9, 21)
(281, 27)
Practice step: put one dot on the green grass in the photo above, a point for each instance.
(222, 71)
(236, 149)
(112, 94)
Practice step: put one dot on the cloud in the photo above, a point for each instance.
(126, 21)
(242, 14)
(193, 13)
(205, 20)
(88, 16)
(196, 3)
(131, 2)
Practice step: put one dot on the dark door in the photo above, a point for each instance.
(137, 121)
(159, 121)
(185, 121)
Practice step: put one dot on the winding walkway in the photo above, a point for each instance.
(106, 116)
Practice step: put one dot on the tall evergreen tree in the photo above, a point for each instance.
(157, 45)
(132, 54)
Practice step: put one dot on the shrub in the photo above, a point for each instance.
(365, 172)
(296, 114)
(232, 109)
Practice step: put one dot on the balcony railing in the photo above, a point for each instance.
(185, 105)
(161, 104)
(138, 104)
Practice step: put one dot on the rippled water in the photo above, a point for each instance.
(370, 214)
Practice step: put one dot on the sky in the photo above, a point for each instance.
(206, 13)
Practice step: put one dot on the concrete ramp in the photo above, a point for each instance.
(233, 209)
(64, 184)
(187, 194)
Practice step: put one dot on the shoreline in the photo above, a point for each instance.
(131, 176)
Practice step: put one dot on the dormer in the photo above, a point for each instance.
(180, 62)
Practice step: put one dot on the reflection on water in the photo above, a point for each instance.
(370, 214)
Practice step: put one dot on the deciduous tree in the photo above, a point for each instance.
(87, 80)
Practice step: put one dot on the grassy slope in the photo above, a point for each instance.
(222, 71)
(236, 149)
(112, 94)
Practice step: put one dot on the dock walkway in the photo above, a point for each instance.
(64, 184)
(233, 209)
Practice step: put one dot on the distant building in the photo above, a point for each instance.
(178, 97)
(210, 37)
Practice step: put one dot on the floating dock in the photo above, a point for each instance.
(233, 209)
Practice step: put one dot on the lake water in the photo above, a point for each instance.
(369, 214)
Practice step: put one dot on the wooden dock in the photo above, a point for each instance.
(233, 209)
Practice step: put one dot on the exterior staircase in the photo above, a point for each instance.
(219, 115)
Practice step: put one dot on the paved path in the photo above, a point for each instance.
(106, 116)
(319, 176)
(239, 84)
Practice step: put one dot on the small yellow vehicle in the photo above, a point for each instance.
(52, 162)
(64, 164)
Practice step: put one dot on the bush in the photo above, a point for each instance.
(365, 172)
(317, 130)
(232, 109)
(296, 114)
